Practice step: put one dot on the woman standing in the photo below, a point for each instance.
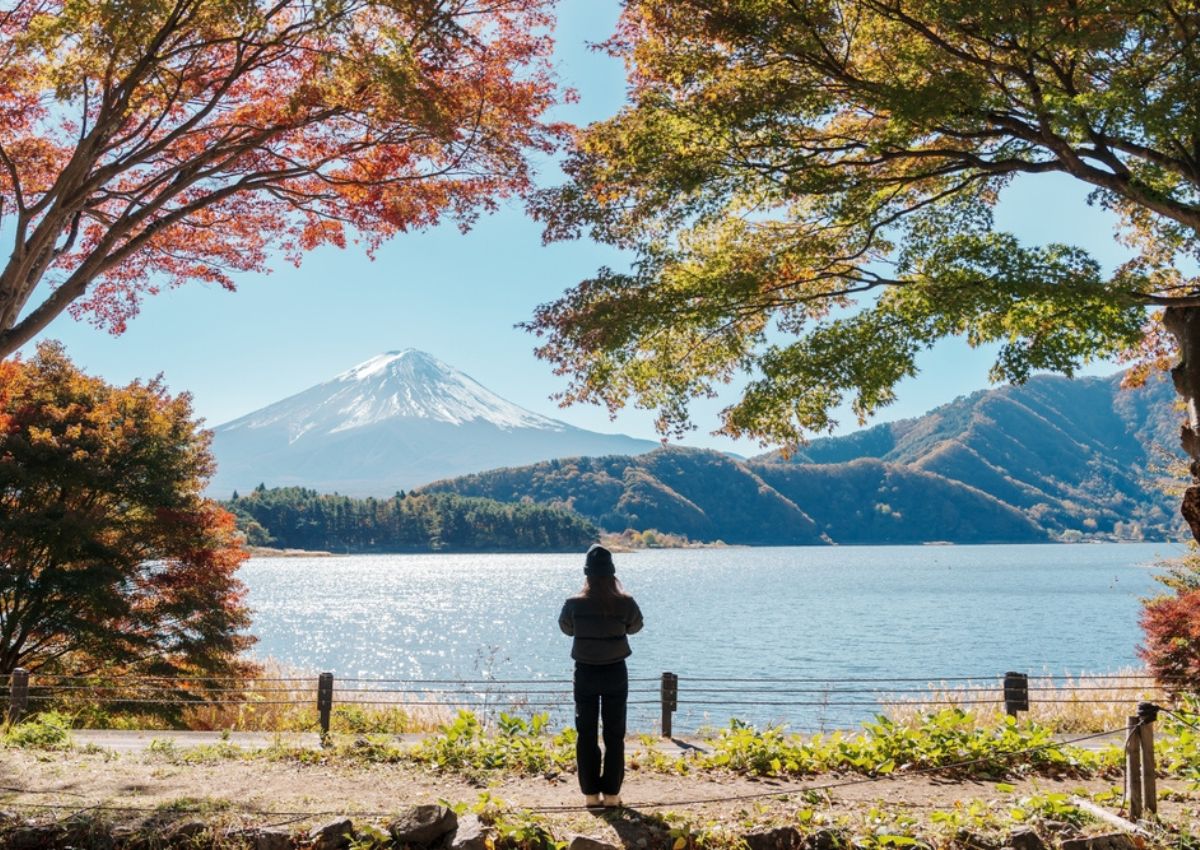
(599, 617)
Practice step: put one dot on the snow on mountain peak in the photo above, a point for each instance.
(405, 384)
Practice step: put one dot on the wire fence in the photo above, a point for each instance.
(661, 704)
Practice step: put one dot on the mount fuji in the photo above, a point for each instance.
(398, 420)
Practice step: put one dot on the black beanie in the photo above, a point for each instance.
(599, 562)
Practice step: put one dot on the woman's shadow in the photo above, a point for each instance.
(637, 830)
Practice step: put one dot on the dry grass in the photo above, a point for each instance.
(1065, 704)
(273, 699)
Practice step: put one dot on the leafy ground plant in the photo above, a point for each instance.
(49, 730)
(950, 740)
(519, 745)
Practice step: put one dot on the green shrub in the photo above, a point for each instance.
(47, 731)
(517, 745)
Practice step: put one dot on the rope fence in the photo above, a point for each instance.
(1011, 691)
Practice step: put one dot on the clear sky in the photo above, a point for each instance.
(459, 296)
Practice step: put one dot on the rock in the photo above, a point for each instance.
(33, 837)
(86, 832)
(423, 825)
(1109, 841)
(975, 841)
(470, 835)
(270, 839)
(1025, 839)
(825, 839)
(781, 838)
(334, 835)
(186, 833)
(586, 842)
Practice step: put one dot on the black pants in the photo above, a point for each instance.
(600, 694)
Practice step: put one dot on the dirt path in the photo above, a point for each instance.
(268, 790)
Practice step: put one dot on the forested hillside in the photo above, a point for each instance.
(1055, 459)
(1075, 456)
(708, 496)
(296, 518)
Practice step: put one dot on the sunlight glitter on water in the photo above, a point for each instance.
(904, 611)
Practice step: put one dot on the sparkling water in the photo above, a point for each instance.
(929, 613)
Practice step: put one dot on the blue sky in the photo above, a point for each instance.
(459, 296)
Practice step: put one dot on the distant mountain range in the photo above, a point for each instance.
(1054, 459)
(398, 420)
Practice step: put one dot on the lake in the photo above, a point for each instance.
(927, 613)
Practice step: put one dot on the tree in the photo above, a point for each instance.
(147, 143)
(109, 556)
(1171, 623)
(808, 186)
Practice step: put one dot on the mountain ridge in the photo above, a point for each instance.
(1053, 459)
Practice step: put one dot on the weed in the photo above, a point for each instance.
(50, 730)
(514, 829)
(518, 745)
(950, 739)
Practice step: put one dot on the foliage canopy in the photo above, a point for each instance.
(808, 186)
(145, 143)
(109, 556)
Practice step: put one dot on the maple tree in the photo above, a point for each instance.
(808, 188)
(145, 143)
(109, 555)
(1172, 649)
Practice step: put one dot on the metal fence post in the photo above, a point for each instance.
(1133, 766)
(670, 694)
(324, 701)
(18, 695)
(1016, 693)
(1148, 712)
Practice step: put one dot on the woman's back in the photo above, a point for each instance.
(600, 626)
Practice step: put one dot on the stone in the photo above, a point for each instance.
(270, 839)
(335, 835)
(471, 834)
(423, 825)
(586, 842)
(33, 837)
(780, 838)
(1025, 839)
(186, 833)
(975, 841)
(826, 839)
(89, 833)
(1108, 841)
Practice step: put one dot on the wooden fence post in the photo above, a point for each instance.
(324, 701)
(1148, 712)
(18, 694)
(1016, 693)
(670, 694)
(1133, 766)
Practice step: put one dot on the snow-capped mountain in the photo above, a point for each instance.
(398, 420)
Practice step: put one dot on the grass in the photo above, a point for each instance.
(273, 699)
(1064, 705)
(50, 730)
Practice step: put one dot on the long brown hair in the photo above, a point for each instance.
(604, 589)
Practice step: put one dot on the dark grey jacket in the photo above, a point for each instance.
(600, 637)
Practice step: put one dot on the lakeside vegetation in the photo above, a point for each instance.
(298, 518)
(950, 744)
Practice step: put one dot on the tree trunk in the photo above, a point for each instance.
(1184, 325)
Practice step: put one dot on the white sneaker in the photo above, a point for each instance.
(592, 801)
(612, 801)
